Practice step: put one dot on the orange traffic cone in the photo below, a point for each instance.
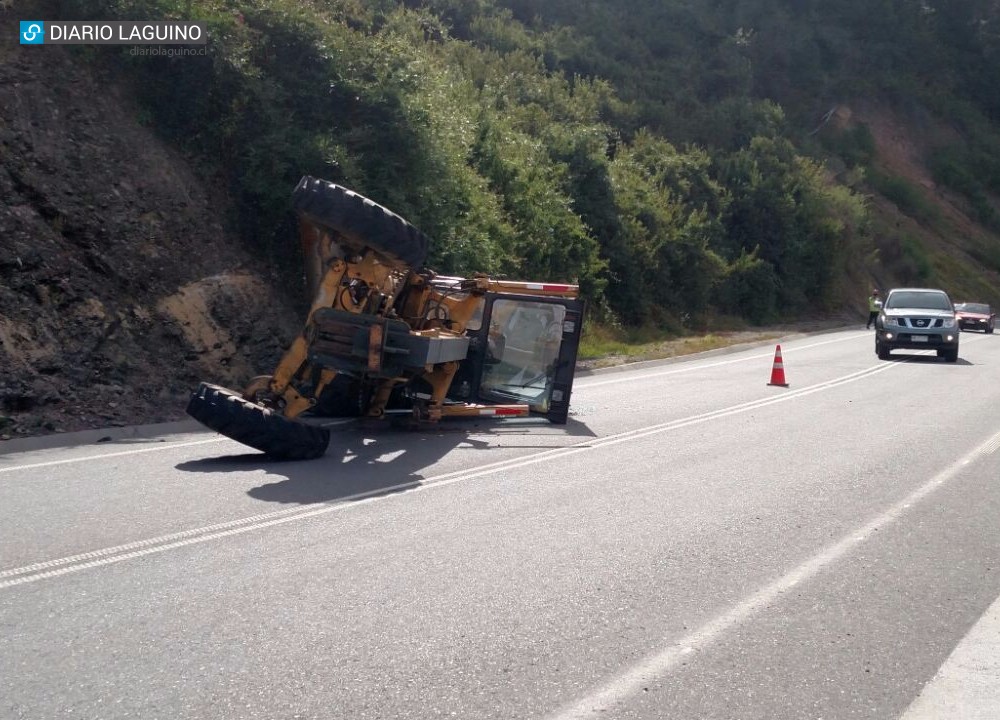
(778, 370)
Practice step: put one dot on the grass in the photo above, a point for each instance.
(605, 345)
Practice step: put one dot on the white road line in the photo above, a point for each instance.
(966, 685)
(629, 683)
(67, 461)
(139, 544)
(630, 377)
(107, 556)
(638, 374)
(586, 383)
(170, 446)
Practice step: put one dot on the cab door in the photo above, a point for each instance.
(529, 348)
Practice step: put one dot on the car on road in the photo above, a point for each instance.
(917, 318)
(975, 316)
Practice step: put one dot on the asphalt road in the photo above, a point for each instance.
(693, 544)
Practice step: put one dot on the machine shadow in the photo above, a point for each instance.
(363, 462)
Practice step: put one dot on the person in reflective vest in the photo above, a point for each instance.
(874, 305)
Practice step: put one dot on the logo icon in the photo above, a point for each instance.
(32, 32)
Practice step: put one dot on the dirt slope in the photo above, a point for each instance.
(120, 286)
(947, 237)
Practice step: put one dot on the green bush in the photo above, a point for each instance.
(523, 147)
(749, 289)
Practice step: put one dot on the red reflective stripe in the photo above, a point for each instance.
(502, 411)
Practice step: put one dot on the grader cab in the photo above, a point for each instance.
(385, 337)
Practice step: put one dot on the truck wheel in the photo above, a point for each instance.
(881, 350)
(363, 222)
(226, 412)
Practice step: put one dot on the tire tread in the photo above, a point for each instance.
(227, 413)
(361, 220)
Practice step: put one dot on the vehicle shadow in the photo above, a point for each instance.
(365, 461)
(926, 359)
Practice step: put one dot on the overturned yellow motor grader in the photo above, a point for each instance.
(386, 337)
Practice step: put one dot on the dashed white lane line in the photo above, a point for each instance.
(604, 699)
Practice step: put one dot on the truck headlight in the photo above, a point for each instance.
(949, 323)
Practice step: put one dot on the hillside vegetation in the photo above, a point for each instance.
(679, 159)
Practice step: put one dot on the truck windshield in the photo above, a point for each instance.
(973, 308)
(918, 300)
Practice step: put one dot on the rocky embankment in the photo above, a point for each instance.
(120, 285)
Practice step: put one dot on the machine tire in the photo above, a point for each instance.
(951, 355)
(363, 222)
(989, 331)
(226, 412)
(881, 350)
